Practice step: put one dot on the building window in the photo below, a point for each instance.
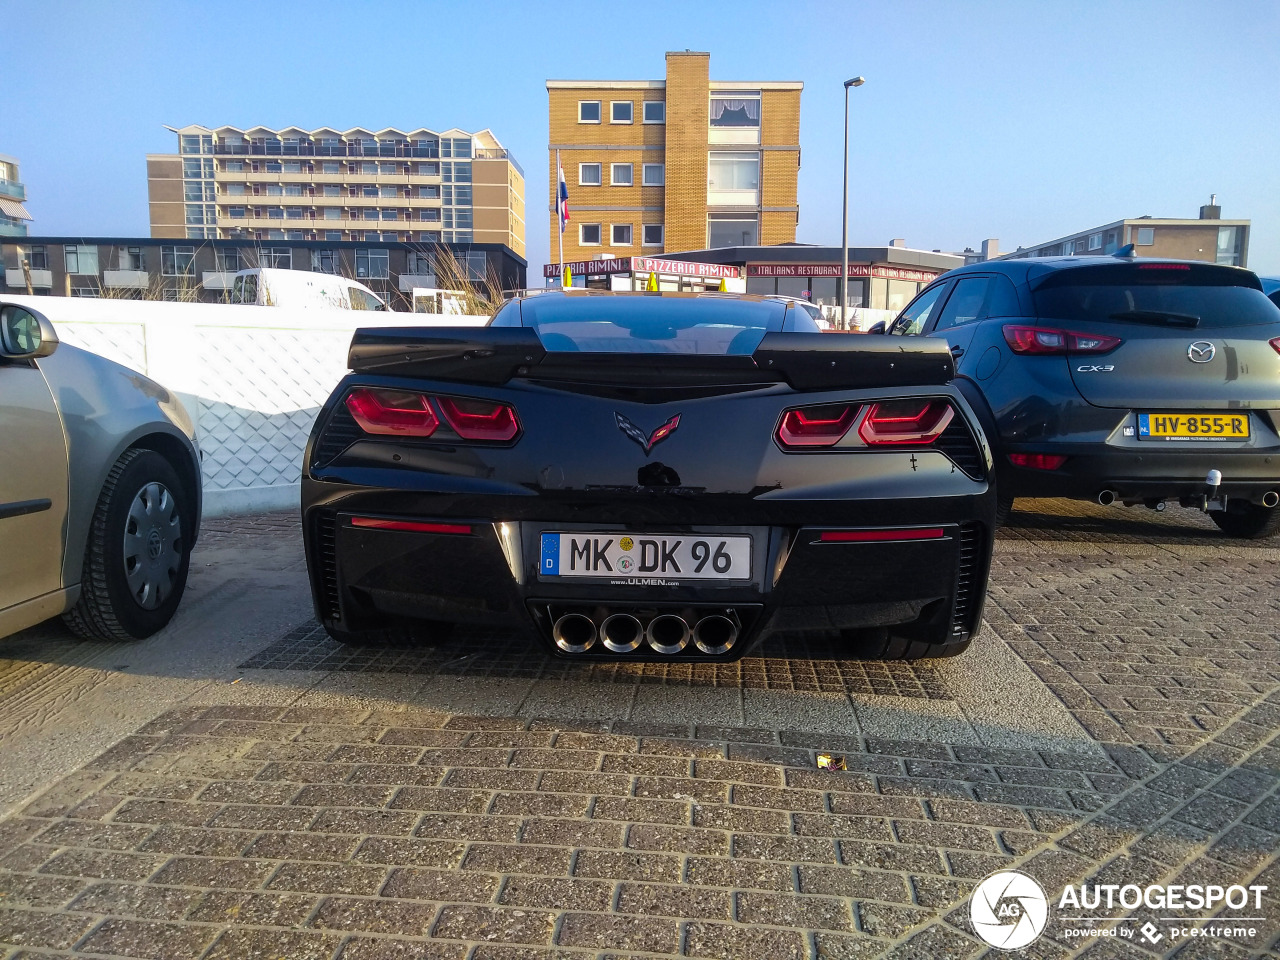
(733, 171)
(653, 174)
(621, 174)
(620, 235)
(1229, 242)
(236, 213)
(1146, 236)
(651, 234)
(655, 111)
(279, 257)
(390, 214)
(86, 292)
(81, 259)
(273, 190)
(430, 216)
(325, 261)
(293, 213)
(228, 259)
(456, 172)
(731, 230)
(735, 111)
(330, 166)
(177, 261)
(293, 189)
(292, 166)
(370, 213)
(429, 192)
(588, 174)
(372, 264)
(428, 169)
(274, 167)
(420, 265)
(388, 168)
(333, 213)
(332, 190)
(588, 111)
(1095, 241)
(589, 234)
(620, 111)
(1077, 246)
(233, 166)
(234, 189)
(369, 190)
(132, 259)
(385, 191)
(275, 213)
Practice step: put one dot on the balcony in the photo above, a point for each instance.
(388, 150)
(40, 279)
(217, 280)
(410, 280)
(14, 189)
(126, 279)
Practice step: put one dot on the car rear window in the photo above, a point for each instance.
(707, 325)
(1178, 295)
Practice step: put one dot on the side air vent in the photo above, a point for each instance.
(339, 433)
(968, 581)
(957, 442)
(326, 531)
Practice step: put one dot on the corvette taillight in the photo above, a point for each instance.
(822, 426)
(905, 421)
(480, 419)
(397, 413)
(1051, 340)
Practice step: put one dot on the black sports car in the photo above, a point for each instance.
(1119, 379)
(650, 476)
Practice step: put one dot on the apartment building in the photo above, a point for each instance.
(1208, 238)
(337, 185)
(202, 270)
(682, 163)
(13, 215)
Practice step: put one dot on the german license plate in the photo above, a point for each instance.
(697, 556)
(1193, 426)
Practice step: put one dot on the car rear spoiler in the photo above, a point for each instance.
(806, 361)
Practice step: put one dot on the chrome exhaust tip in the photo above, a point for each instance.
(1107, 497)
(621, 633)
(574, 633)
(668, 633)
(715, 634)
(1270, 498)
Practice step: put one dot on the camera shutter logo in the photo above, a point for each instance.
(1009, 910)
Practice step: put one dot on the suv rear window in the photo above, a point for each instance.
(1177, 295)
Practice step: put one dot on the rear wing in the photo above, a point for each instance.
(805, 361)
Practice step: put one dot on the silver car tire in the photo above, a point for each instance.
(138, 553)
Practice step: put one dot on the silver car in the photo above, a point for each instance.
(99, 488)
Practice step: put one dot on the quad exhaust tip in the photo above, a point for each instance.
(668, 633)
(621, 633)
(574, 633)
(715, 634)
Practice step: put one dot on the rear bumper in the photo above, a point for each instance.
(1140, 474)
(930, 589)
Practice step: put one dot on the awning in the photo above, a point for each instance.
(12, 208)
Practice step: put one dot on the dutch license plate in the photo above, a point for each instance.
(696, 556)
(1193, 426)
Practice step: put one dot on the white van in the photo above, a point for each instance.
(274, 287)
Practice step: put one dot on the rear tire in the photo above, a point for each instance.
(1250, 523)
(1004, 507)
(138, 552)
(880, 644)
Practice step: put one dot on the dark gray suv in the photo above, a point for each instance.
(1119, 379)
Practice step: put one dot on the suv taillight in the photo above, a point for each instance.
(905, 421)
(821, 426)
(1276, 344)
(396, 413)
(1051, 340)
(407, 413)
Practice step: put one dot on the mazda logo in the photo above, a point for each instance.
(1200, 352)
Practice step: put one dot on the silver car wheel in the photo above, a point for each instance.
(152, 545)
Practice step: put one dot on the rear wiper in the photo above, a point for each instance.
(1158, 316)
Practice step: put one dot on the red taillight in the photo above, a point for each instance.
(1164, 266)
(823, 426)
(1275, 344)
(411, 526)
(479, 419)
(1049, 340)
(905, 421)
(400, 413)
(1037, 461)
(880, 536)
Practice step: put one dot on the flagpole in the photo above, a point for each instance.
(560, 219)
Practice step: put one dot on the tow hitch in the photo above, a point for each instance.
(1212, 500)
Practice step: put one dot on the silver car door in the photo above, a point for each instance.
(33, 485)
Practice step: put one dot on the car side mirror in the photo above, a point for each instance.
(24, 334)
(877, 327)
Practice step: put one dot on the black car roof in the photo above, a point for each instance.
(1029, 269)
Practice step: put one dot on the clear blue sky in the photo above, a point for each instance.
(1021, 121)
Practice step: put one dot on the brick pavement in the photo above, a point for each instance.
(238, 831)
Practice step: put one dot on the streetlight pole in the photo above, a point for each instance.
(844, 224)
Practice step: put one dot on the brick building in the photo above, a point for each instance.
(683, 163)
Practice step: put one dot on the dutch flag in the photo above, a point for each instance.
(562, 200)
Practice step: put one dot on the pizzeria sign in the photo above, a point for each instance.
(833, 270)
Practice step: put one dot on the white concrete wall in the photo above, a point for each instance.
(253, 379)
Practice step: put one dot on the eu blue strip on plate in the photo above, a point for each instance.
(550, 554)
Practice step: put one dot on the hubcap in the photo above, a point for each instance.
(152, 545)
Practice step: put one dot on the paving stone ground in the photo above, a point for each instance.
(372, 831)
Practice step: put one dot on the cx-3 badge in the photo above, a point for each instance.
(647, 441)
(1201, 351)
